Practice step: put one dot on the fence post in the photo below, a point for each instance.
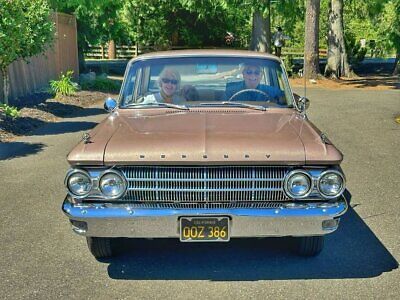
(102, 51)
(136, 49)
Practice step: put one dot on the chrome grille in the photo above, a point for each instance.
(232, 186)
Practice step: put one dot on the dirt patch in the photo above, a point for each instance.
(42, 109)
(368, 83)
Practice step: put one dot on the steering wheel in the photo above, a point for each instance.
(267, 96)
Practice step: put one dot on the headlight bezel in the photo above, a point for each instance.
(292, 173)
(119, 174)
(324, 173)
(72, 172)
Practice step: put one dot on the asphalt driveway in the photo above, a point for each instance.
(42, 259)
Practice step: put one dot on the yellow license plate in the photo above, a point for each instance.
(204, 229)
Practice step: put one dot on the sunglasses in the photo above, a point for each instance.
(250, 72)
(172, 81)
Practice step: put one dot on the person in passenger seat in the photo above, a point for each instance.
(168, 81)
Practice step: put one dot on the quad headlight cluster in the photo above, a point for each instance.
(300, 184)
(79, 183)
(108, 184)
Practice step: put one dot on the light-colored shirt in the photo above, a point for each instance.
(279, 39)
(154, 98)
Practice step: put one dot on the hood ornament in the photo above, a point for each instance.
(325, 139)
(86, 138)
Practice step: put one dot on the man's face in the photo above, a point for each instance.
(252, 76)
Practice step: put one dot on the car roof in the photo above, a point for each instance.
(205, 53)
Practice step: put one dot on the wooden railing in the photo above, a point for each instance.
(299, 52)
(122, 52)
(128, 52)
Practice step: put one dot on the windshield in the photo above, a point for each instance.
(201, 81)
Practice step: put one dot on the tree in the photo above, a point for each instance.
(311, 48)
(390, 30)
(161, 23)
(261, 29)
(337, 64)
(25, 30)
(98, 22)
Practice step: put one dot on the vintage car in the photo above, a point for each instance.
(205, 146)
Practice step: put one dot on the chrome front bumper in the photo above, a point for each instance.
(112, 220)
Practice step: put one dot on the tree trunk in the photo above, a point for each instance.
(111, 50)
(396, 70)
(6, 85)
(311, 47)
(261, 31)
(337, 65)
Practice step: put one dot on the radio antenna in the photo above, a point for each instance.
(304, 75)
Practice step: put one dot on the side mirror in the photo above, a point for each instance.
(302, 103)
(110, 104)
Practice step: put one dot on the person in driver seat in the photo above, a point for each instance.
(252, 76)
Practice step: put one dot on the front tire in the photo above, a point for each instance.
(100, 247)
(310, 245)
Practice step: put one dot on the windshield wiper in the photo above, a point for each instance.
(239, 104)
(157, 104)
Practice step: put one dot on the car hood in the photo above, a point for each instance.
(205, 136)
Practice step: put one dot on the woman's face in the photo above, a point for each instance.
(252, 77)
(169, 84)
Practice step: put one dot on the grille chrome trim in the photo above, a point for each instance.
(206, 205)
(230, 186)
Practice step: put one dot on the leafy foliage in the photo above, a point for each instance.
(98, 21)
(64, 86)
(179, 22)
(389, 28)
(25, 29)
(196, 23)
(10, 111)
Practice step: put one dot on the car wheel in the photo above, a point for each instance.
(100, 247)
(310, 245)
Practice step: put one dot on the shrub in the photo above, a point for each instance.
(64, 86)
(9, 110)
(101, 84)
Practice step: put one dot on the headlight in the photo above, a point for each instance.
(112, 184)
(298, 184)
(331, 184)
(78, 182)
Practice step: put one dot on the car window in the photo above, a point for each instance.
(206, 79)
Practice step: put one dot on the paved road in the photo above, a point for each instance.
(41, 258)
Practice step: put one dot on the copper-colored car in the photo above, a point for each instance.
(205, 146)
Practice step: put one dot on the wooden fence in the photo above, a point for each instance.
(128, 52)
(26, 78)
(122, 52)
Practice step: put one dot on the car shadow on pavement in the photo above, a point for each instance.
(353, 251)
(14, 149)
(63, 127)
(19, 149)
